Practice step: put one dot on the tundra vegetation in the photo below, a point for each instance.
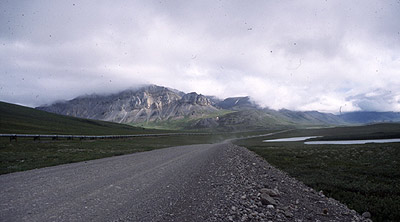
(365, 177)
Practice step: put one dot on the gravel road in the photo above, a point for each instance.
(209, 182)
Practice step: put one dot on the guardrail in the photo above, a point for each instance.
(81, 137)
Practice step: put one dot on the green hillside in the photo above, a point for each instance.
(224, 121)
(23, 120)
(252, 119)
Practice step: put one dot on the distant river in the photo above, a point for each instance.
(292, 139)
(354, 141)
(297, 139)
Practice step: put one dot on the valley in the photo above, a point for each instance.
(364, 177)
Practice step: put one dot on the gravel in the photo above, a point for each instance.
(253, 190)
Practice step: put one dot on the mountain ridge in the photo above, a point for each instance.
(148, 103)
(154, 106)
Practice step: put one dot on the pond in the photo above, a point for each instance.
(346, 142)
(292, 139)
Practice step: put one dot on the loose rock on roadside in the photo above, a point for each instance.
(259, 192)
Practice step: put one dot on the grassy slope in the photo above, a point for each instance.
(228, 121)
(365, 177)
(254, 119)
(180, 124)
(24, 120)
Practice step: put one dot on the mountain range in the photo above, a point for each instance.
(162, 107)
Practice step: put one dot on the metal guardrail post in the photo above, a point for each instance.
(13, 137)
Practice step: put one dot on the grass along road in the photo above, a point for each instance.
(365, 177)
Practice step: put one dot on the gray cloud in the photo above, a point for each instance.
(303, 55)
(376, 100)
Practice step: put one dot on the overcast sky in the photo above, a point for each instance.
(300, 55)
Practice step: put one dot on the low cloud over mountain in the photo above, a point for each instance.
(161, 107)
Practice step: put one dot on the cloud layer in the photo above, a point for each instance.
(302, 55)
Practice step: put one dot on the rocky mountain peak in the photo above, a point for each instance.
(148, 103)
(237, 103)
(196, 99)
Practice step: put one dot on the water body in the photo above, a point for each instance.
(347, 142)
(292, 139)
(343, 142)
